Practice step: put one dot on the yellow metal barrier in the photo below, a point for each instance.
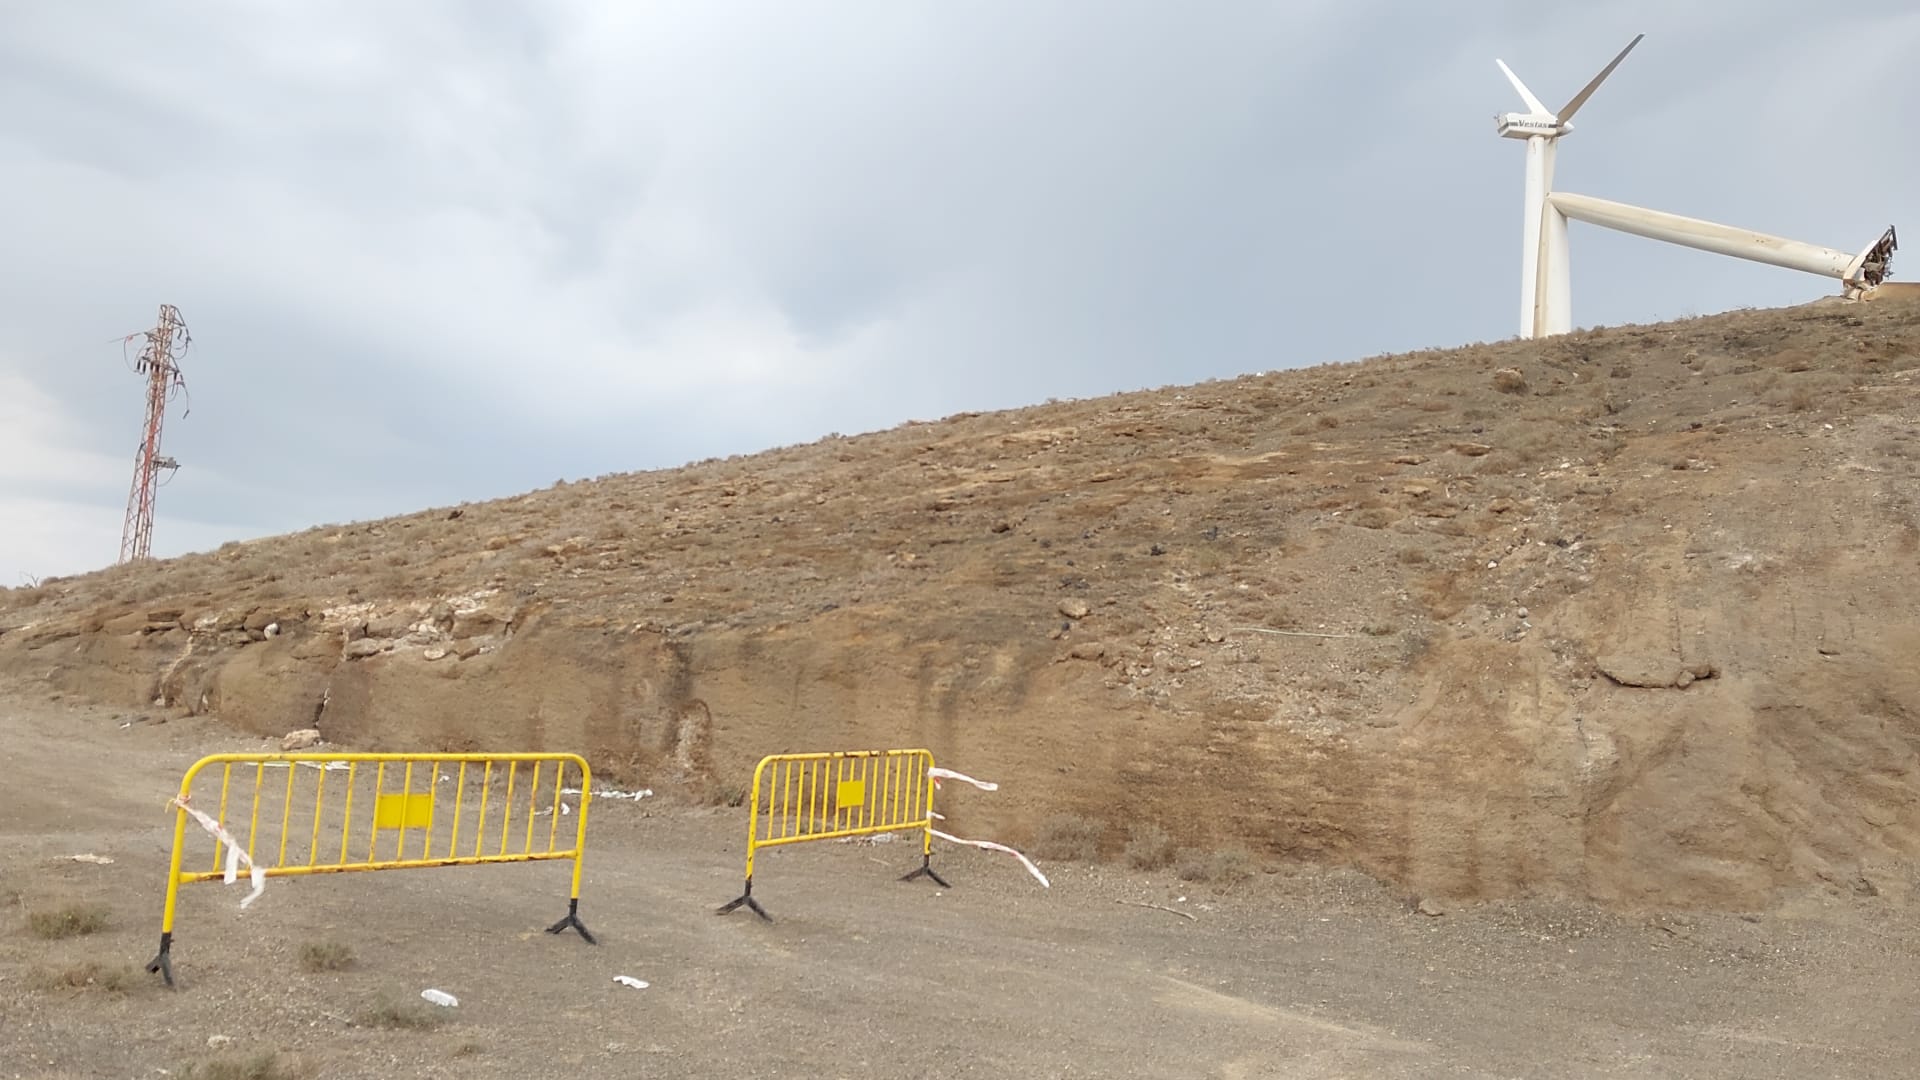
(802, 797)
(392, 813)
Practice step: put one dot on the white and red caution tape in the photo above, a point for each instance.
(939, 774)
(235, 856)
(991, 846)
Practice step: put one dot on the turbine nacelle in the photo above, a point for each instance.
(1540, 122)
(1530, 126)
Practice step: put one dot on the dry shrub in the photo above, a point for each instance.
(73, 920)
(117, 979)
(1069, 837)
(325, 956)
(25, 596)
(267, 1065)
(1149, 848)
(1227, 866)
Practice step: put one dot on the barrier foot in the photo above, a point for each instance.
(926, 870)
(163, 960)
(747, 899)
(573, 920)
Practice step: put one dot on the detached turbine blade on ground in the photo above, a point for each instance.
(1586, 92)
(1707, 235)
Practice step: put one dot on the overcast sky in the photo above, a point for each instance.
(439, 251)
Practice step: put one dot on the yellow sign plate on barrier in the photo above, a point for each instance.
(321, 813)
(850, 795)
(403, 811)
(801, 797)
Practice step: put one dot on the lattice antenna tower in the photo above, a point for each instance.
(159, 361)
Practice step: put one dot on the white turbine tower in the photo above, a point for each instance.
(1544, 241)
(1546, 296)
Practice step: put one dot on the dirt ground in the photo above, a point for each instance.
(1297, 972)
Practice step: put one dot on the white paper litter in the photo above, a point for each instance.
(609, 793)
(628, 980)
(97, 860)
(440, 997)
(256, 874)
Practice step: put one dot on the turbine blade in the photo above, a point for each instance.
(1526, 95)
(1580, 98)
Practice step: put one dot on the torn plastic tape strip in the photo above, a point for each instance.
(939, 774)
(256, 874)
(991, 846)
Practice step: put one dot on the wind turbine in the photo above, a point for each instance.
(1542, 129)
(1546, 296)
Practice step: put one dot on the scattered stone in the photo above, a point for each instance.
(363, 647)
(1521, 612)
(1653, 672)
(1509, 381)
(389, 626)
(1075, 609)
(1472, 449)
(257, 620)
(435, 653)
(1431, 907)
(299, 740)
(1088, 650)
(468, 624)
(1001, 526)
(1409, 459)
(215, 1042)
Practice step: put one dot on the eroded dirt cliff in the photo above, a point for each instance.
(1626, 615)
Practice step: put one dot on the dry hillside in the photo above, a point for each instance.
(1628, 615)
